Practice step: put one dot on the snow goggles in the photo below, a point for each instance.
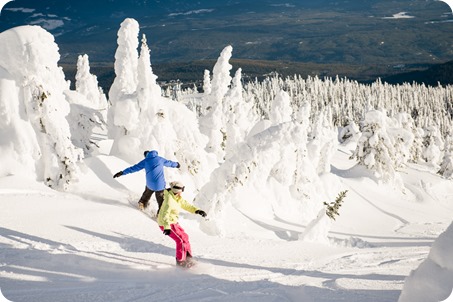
(178, 188)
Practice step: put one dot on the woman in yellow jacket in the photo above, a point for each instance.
(168, 221)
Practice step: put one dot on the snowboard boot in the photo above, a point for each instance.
(181, 263)
(188, 263)
(142, 206)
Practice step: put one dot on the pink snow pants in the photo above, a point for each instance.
(182, 241)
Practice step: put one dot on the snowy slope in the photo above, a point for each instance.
(91, 245)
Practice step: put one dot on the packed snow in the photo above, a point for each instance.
(267, 161)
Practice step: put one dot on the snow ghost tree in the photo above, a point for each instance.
(144, 120)
(375, 149)
(123, 115)
(281, 110)
(349, 134)
(207, 82)
(323, 141)
(83, 119)
(87, 84)
(265, 173)
(238, 114)
(212, 123)
(446, 166)
(403, 134)
(148, 90)
(28, 58)
(88, 107)
(433, 146)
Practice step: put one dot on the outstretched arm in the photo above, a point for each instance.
(135, 168)
(191, 208)
(172, 164)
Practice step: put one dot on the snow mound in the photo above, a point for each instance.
(433, 279)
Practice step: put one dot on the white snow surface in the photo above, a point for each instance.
(265, 237)
(89, 244)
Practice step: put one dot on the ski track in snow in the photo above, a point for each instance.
(93, 245)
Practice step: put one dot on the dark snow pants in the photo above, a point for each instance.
(146, 196)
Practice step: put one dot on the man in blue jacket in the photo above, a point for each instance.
(155, 180)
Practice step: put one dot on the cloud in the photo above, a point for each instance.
(199, 11)
(48, 24)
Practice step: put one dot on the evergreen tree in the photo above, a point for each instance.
(207, 82)
(239, 117)
(148, 91)
(322, 142)
(281, 110)
(124, 111)
(349, 133)
(446, 166)
(375, 149)
(333, 207)
(87, 85)
(433, 145)
(213, 123)
(42, 107)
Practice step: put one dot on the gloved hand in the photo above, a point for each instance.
(167, 232)
(201, 213)
(118, 174)
(178, 165)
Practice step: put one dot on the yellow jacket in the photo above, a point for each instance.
(169, 211)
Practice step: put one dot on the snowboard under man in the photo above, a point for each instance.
(155, 180)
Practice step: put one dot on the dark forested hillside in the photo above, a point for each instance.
(359, 39)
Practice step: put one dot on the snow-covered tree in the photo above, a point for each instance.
(124, 111)
(207, 82)
(375, 149)
(83, 121)
(259, 174)
(212, 123)
(281, 110)
(349, 134)
(148, 90)
(87, 84)
(322, 142)
(402, 131)
(446, 166)
(318, 229)
(433, 146)
(238, 114)
(147, 120)
(88, 107)
(29, 57)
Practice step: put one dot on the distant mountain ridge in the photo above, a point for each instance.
(377, 35)
(434, 75)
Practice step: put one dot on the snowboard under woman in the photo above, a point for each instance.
(168, 222)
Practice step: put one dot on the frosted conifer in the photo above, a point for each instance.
(333, 207)
(87, 84)
(375, 149)
(213, 123)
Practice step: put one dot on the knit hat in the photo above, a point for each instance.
(176, 187)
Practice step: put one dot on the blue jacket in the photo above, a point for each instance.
(154, 167)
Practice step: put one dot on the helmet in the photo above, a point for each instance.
(176, 187)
